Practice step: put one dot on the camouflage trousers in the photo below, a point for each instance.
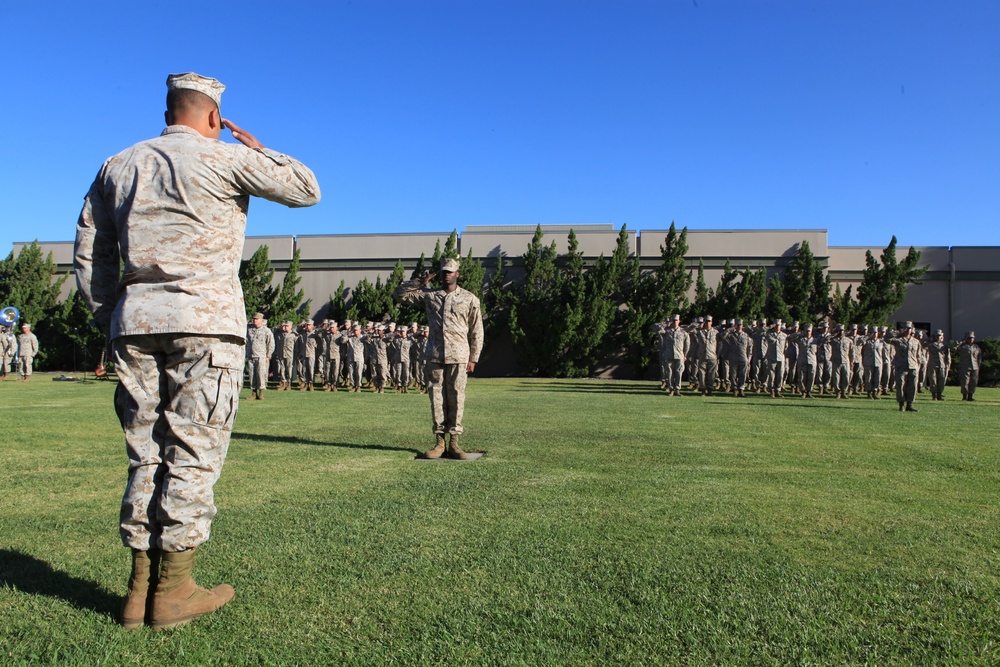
(306, 367)
(841, 377)
(258, 373)
(380, 372)
(824, 373)
(936, 377)
(354, 373)
(806, 377)
(402, 374)
(286, 367)
(177, 400)
(332, 370)
(968, 380)
(707, 369)
(673, 370)
(739, 371)
(24, 365)
(873, 377)
(906, 384)
(446, 388)
(776, 375)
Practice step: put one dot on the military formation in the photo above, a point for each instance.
(803, 360)
(331, 357)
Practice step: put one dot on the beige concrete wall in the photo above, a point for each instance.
(369, 246)
(279, 248)
(489, 241)
(976, 307)
(985, 258)
(62, 251)
(742, 244)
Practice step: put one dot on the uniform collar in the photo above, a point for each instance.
(179, 129)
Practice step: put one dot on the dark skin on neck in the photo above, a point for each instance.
(450, 279)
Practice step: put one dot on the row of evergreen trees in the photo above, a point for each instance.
(564, 318)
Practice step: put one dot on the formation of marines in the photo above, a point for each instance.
(351, 356)
(775, 358)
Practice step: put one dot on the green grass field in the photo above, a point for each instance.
(607, 524)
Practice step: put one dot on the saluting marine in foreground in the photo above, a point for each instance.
(172, 211)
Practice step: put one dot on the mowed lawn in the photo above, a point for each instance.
(607, 524)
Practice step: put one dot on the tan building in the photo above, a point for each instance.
(960, 291)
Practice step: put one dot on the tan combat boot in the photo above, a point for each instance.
(454, 451)
(178, 599)
(260, 394)
(438, 448)
(145, 574)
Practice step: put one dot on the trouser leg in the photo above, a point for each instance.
(740, 371)
(177, 399)
(807, 378)
(706, 373)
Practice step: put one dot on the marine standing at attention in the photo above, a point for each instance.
(260, 349)
(905, 364)
(454, 342)
(27, 350)
(169, 214)
(969, 355)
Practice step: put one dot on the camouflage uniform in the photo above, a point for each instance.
(888, 381)
(402, 345)
(906, 364)
(939, 361)
(805, 358)
(758, 357)
(173, 209)
(841, 351)
(777, 340)
(354, 357)
(27, 350)
(969, 356)
(872, 359)
(8, 343)
(260, 349)
(286, 357)
(856, 370)
(707, 345)
(824, 365)
(305, 357)
(455, 339)
(333, 342)
(378, 348)
(673, 345)
(739, 347)
(419, 364)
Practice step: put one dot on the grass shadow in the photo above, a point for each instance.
(34, 576)
(258, 437)
(594, 387)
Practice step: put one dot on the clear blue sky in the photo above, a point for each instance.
(864, 117)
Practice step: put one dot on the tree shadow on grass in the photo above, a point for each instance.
(259, 437)
(34, 576)
(594, 387)
(779, 403)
